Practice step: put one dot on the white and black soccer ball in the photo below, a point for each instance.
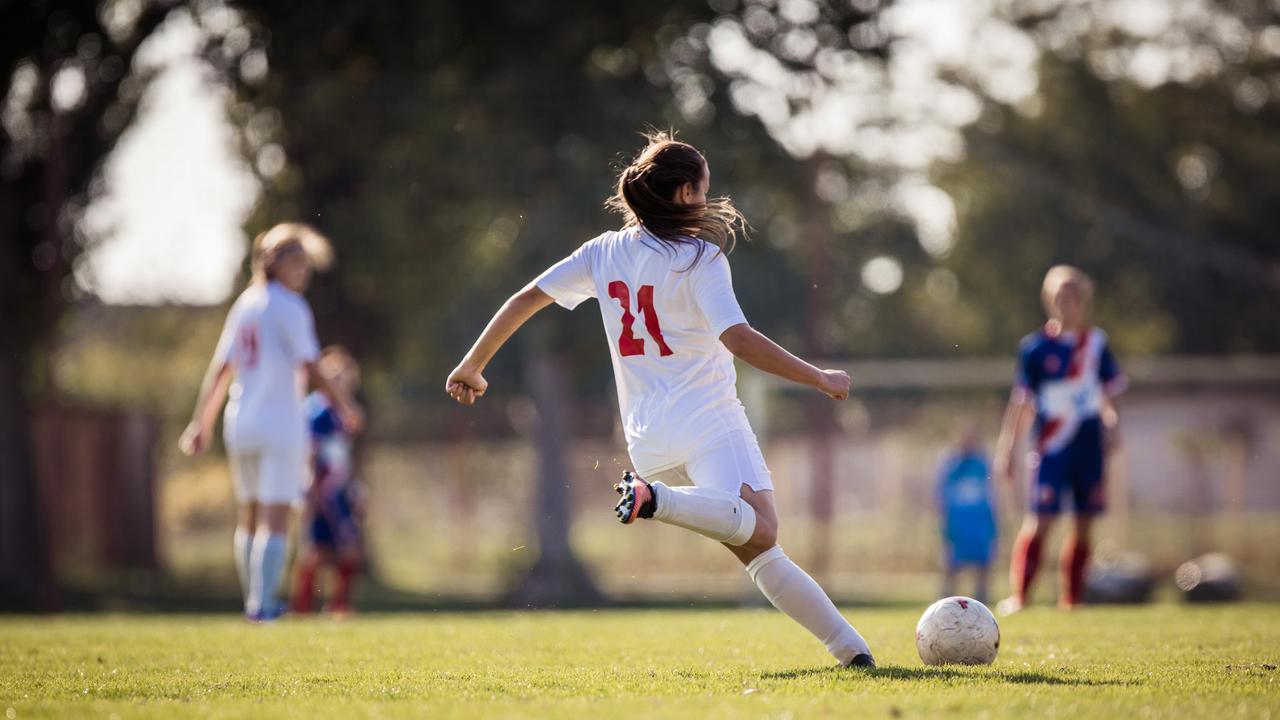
(957, 630)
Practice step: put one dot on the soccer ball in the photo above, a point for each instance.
(957, 630)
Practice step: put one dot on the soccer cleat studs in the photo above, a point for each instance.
(626, 509)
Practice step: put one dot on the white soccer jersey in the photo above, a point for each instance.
(663, 316)
(269, 333)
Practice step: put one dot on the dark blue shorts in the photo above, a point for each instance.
(1075, 470)
(333, 522)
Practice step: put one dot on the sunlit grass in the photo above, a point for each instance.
(1161, 661)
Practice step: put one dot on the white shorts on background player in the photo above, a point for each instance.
(663, 315)
(269, 334)
(272, 476)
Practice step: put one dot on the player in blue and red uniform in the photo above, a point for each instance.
(333, 501)
(966, 509)
(1067, 379)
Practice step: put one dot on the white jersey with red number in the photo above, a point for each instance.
(663, 314)
(269, 334)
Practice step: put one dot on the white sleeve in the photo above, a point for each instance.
(713, 291)
(227, 340)
(300, 333)
(569, 282)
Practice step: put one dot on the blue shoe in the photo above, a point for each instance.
(267, 613)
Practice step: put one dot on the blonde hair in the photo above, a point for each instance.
(335, 360)
(1060, 275)
(285, 239)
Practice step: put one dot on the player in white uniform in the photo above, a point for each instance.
(674, 325)
(268, 340)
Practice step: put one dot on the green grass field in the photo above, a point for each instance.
(1158, 661)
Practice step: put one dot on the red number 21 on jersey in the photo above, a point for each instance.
(628, 343)
(248, 341)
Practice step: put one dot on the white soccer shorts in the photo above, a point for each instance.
(727, 464)
(271, 476)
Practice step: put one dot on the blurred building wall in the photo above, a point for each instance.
(97, 480)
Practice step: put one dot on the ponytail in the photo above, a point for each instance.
(646, 188)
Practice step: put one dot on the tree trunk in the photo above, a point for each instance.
(26, 575)
(557, 578)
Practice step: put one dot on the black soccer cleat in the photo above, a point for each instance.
(862, 660)
(638, 499)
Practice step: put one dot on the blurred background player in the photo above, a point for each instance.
(966, 510)
(1067, 380)
(674, 326)
(268, 341)
(334, 513)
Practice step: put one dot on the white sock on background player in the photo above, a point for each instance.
(792, 591)
(242, 544)
(719, 515)
(264, 571)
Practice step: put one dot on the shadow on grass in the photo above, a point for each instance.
(893, 672)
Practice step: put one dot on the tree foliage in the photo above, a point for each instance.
(68, 92)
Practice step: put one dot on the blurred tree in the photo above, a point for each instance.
(1132, 139)
(1166, 196)
(68, 94)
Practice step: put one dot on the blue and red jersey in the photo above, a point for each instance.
(1066, 375)
(335, 494)
(331, 446)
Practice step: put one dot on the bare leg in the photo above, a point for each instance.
(766, 533)
(981, 574)
(949, 572)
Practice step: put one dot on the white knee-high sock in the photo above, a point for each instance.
(242, 544)
(792, 591)
(719, 515)
(265, 568)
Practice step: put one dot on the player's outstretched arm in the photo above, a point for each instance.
(466, 383)
(213, 391)
(348, 411)
(1111, 421)
(1017, 419)
(764, 354)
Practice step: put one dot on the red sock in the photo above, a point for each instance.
(346, 578)
(1074, 559)
(1023, 565)
(304, 585)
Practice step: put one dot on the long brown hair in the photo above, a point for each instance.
(646, 188)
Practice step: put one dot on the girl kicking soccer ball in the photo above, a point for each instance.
(268, 338)
(674, 325)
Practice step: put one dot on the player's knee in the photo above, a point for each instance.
(765, 535)
(1083, 527)
(1039, 526)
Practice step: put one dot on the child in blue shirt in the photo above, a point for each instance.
(966, 511)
